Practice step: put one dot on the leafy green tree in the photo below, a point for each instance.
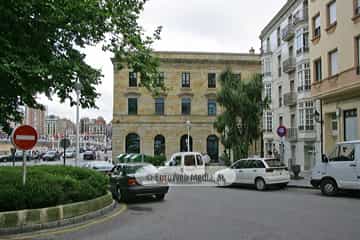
(42, 43)
(242, 102)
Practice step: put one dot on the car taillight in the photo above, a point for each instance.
(269, 170)
(132, 181)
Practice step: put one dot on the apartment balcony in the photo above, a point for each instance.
(288, 32)
(301, 17)
(290, 99)
(292, 134)
(289, 65)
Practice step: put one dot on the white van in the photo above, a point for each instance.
(339, 170)
(188, 163)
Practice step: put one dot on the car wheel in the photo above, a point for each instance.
(260, 184)
(328, 187)
(160, 196)
(283, 185)
(221, 181)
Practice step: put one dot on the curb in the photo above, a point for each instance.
(59, 223)
(301, 187)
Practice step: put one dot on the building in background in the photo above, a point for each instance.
(143, 123)
(65, 127)
(35, 118)
(84, 125)
(286, 78)
(51, 126)
(335, 66)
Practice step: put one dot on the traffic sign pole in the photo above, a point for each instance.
(24, 168)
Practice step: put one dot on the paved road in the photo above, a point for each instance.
(232, 213)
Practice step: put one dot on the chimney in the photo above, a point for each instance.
(252, 50)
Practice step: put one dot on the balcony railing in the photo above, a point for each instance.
(289, 65)
(288, 32)
(302, 16)
(290, 99)
(292, 134)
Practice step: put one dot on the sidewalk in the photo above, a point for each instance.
(301, 183)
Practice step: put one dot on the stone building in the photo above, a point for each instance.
(287, 82)
(335, 68)
(160, 125)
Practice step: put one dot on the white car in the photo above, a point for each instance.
(187, 163)
(100, 166)
(260, 172)
(339, 170)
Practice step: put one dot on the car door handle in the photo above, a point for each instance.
(254, 170)
(240, 171)
(352, 165)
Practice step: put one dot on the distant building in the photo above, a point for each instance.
(65, 127)
(84, 126)
(36, 119)
(51, 125)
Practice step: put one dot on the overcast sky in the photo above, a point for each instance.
(188, 25)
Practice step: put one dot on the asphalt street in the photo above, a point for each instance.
(232, 213)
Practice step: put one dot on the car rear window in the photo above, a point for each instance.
(274, 163)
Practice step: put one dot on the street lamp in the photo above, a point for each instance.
(188, 125)
(77, 90)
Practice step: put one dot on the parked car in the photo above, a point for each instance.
(5, 158)
(70, 153)
(184, 163)
(51, 156)
(89, 155)
(131, 180)
(100, 166)
(339, 170)
(260, 172)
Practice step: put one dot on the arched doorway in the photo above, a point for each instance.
(159, 145)
(184, 145)
(212, 147)
(132, 143)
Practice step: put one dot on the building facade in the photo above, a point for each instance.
(335, 61)
(65, 127)
(182, 117)
(286, 78)
(36, 119)
(51, 126)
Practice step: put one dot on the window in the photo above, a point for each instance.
(212, 147)
(132, 143)
(132, 106)
(177, 161)
(159, 145)
(279, 65)
(184, 146)
(280, 96)
(317, 70)
(186, 106)
(303, 74)
(267, 67)
(159, 106)
(268, 122)
(331, 10)
(268, 47)
(357, 7)
(257, 164)
(185, 79)
(189, 160)
(212, 107)
(133, 79)
(281, 121)
(302, 41)
(357, 44)
(278, 36)
(333, 63)
(306, 112)
(161, 79)
(268, 91)
(236, 76)
(343, 153)
(350, 125)
(199, 161)
(211, 80)
(334, 122)
(316, 26)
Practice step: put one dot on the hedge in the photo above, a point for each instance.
(48, 186)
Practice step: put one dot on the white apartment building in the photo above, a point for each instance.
(287, 83)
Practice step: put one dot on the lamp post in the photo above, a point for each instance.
(77, 90)
(188, 125)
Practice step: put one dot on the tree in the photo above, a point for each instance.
(239, 123)
(42, 43)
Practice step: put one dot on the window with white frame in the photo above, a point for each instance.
(333, 60)
(332, 13)
(267, 66)
(268, 91)
(303, 75)
(268, 121)
(302, 41)
(306, 115)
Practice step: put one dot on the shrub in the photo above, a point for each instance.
(48, 186)
(155, 160)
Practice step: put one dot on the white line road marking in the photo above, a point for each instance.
(25, 137)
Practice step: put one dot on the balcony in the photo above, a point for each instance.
(288, 32)
(301, 17)
(290, 99)
(292, 134)
(289, 65)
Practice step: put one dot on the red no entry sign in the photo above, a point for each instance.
(24, 137)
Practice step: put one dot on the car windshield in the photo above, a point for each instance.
(274, 163)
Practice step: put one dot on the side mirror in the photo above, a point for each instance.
(324, 158)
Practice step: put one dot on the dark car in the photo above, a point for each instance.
(51, 156)
(5, 158)
(131, 180)
(18, 157)
(89, 155)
